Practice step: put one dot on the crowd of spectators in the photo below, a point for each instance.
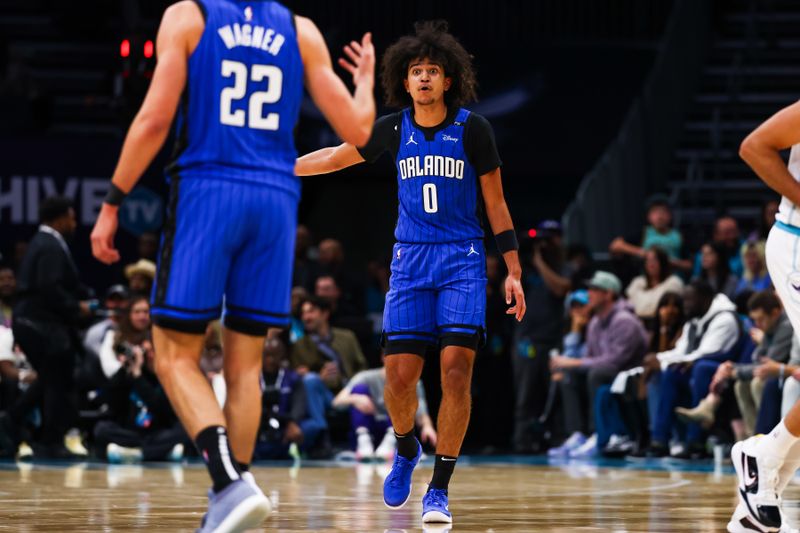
(647, 355)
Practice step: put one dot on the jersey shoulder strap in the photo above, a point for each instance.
(461, 117)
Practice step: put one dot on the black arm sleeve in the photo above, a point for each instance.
(480, 145)
(385, 136)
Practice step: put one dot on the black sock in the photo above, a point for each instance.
(214, 448)
(442, 470)
(243, 467)
(407, 444)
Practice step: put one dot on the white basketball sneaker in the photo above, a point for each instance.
(742, 523)
(388, 446)
(365, 451)
(760, 489)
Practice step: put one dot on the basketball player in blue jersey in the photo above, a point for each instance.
(233, 71)
(445, 158)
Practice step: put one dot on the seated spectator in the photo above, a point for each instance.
(756, 277)
(141, 275)
(325, 357)
(658, 233)
(715, 269)
(345, 316)
(773, 335)
(369, 418)
(328, 288)
(574, 344)
(616, 341)
(18, 395)
(646, 290)
(284, 412)
(668, 326)
(727, 236)
(134, 329)
(332, 353)
(638, 406)
(709, 337)
(296, 329)
(142, 425)
(116, 303)
(8, 292)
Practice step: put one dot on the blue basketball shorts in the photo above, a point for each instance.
(227, 251)
(437, 297)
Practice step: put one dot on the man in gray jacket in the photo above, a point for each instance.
(615, 340)
(773, 334)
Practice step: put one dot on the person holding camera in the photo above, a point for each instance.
(142, 425)
(284, 407)
(546, 281)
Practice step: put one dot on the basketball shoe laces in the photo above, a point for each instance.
(400, 468)
(436, 497)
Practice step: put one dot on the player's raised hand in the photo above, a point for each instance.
(361, 62)
(514, 292)
(103, 235)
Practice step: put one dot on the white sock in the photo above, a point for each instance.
(777, 443)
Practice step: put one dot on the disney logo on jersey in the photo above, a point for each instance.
(431, 165)
(265, 39)
(446, 137)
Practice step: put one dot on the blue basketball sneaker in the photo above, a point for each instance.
(434, 507)
(397, 485)
(236, 508)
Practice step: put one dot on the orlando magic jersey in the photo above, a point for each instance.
(242, 97)
(437, 185)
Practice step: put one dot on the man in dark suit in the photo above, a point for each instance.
(46, 317)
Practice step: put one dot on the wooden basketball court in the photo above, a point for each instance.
(492, 496)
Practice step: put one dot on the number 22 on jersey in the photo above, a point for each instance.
(254, 116)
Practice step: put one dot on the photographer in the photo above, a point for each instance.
(133, 330)
(91, 375)
(547, 282)
(142, 425)
(115, 302)
(284, 418)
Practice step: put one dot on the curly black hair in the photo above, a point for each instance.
(431, 40)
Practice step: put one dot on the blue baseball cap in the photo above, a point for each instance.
(579, 297)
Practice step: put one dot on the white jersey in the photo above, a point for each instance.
(788, 212)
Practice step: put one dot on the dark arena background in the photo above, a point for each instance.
(619, 125)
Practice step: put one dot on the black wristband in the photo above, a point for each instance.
(114, 195)
(506, 241)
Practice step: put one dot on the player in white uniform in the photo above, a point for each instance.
(765, 463)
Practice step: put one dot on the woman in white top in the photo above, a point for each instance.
(646, 290)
